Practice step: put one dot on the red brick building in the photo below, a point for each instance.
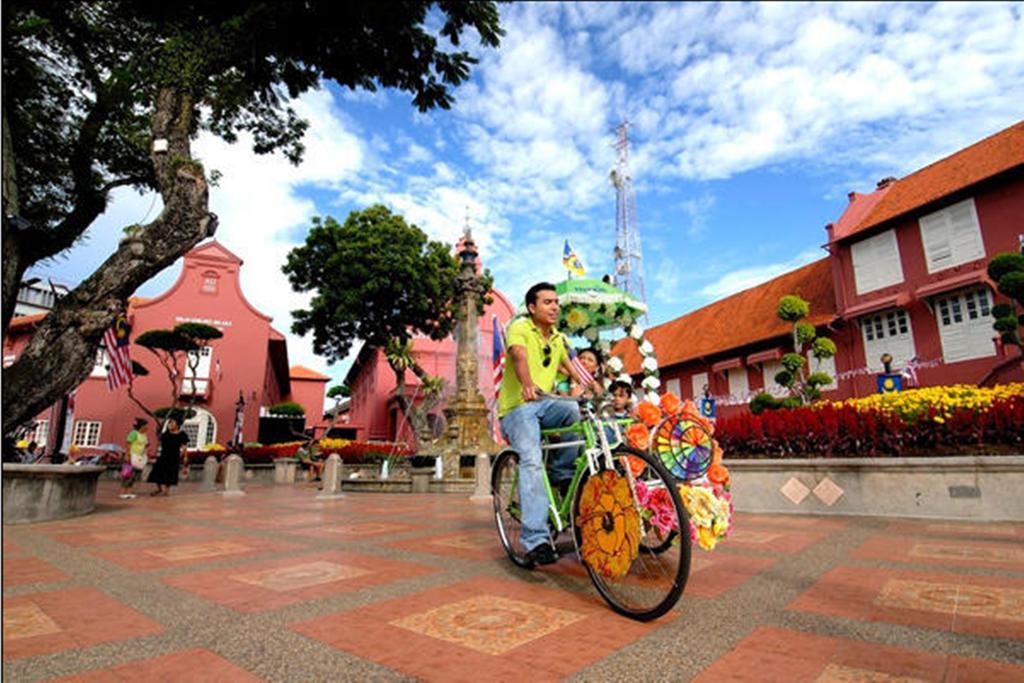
(905, 275)
(250, 360)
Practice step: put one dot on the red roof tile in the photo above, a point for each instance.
(736, 321)
(23, 321)
(302, 372)
(982, 160)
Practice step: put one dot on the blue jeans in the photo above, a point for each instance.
(521, 428)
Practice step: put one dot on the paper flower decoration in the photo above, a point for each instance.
(646, 348)
(652, 396)
(648, 413)
(624, 377)
(605, 346)
(670, 404)
(590, 334)
(615, 364)
(651, 382)
(609, 525)
(636, 332)
(650, 364)
(638, 436)
(577, 318)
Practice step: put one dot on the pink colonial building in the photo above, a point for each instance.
(905, 275)
(373, 411)
(250, 361)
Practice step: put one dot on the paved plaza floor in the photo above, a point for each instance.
(277, 585)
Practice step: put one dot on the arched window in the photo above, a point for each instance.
(201, 429)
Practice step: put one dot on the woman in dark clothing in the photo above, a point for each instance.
(173, 443)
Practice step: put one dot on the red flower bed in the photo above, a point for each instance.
(368, 451)
(828, 430)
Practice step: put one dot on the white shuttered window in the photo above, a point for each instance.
(951, 236)
(887, 332)
(876, 262)
(698, 382)
(738, 385)
(965, 325)
(770, 369)
(672, 386)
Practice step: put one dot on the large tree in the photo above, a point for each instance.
(106, 94)
(380, 280)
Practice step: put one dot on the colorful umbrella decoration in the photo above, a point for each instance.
(589, 306)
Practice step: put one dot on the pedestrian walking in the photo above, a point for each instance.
(137, 459)
(173, 443)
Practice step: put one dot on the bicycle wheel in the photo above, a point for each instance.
(505, 491)
(629, 539)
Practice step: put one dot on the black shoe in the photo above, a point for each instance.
(542, 554)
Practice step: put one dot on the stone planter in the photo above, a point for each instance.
(37, 493)
(982, 488)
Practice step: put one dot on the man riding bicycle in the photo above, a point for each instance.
(539, 352)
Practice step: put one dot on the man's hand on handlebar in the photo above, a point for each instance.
(531, 392)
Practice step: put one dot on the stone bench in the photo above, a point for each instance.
(37, 493)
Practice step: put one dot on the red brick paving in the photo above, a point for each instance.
(593, 633)
(46, 622)
(991, 605)
(210, 548)
(240, 589)
(943, 551)
(188, 666)
(772, 654)
(20, 570)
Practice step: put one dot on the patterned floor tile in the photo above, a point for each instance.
(211, 550)
(355, 530)
(474, 545)
(448, 636)
(41, 623)
(128, 534)
(20, 570)
(771, 655)
(984, 605)
(276, 583)
(776, 540)
(937, 551)
(188, 666)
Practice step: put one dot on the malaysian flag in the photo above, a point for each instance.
(498, 358)
(581, 372)
(119, 368)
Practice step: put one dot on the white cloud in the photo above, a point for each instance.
(750, 276)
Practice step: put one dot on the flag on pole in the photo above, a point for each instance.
(572, 262)
(498, 357)
(910, 372)
(115, 339)
(582, 372)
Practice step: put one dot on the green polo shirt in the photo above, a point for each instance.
(523, 332)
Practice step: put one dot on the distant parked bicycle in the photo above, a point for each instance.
(623, 507)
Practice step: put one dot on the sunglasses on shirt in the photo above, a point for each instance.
(547, 355)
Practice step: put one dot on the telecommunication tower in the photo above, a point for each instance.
(629, 260)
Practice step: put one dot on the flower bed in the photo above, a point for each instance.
(351, 452)
(954, 420)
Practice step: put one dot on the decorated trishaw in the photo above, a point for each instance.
(645, 487)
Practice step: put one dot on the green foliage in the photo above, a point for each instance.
(179, 414)
(805, 333)
(289, 408)
(1002, 310)
(1012, 285)
(791, 402)
(823, 347)
(197, 332)
(168, 341)
(376, 278)
(1007, 270)
(784, 378)
(762, 402)
(1008, 323)
(339, 391)
(80, 79)
(793, 362)
(1003, 264)
(792, 308)
(819, 379)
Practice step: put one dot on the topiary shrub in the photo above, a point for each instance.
(287, 409)
(1007, 270)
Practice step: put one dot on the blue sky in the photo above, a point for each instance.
(750, 124)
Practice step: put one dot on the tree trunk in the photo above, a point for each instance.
(14, 266)
(62, 351)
